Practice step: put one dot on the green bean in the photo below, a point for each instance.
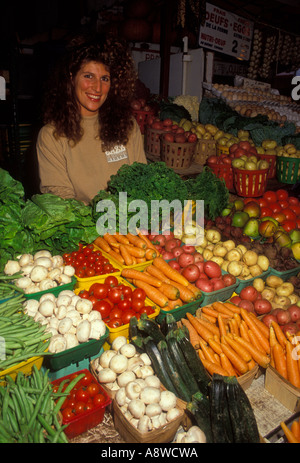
(7, 363)
(68, 389)
(38, 406)
(13, 421)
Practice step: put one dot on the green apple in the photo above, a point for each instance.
(240, 219)
(249, 165)
(238, 163)
(295, 236)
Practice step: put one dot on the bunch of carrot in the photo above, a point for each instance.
(285, 357)
(292, 434)
(127, 249)
(230, 340)
(162, 284)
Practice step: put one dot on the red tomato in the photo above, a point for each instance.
(67, 414)
(81, 395)
(293, 200)
(103, 307)
(137, 304)
(86, 380)
(90, 272)
(115, 313)
(99, 290)
(124, 304)
(115, 323)
(275, 207)
(127, 315)
(290, 215)
(115, 295)
(93, 299)
(266, 212)
(84, 294)
(127, 291)
(282, 194)
(89, 405)
(147, 309)
(111, 281)
(99, 399)
(262, 202)
(108, 268)
(289, 225)
(279, 216)
(93, 389)
(283, 203)
(298, 223)
(79, 408)
(295, 208)
(139, 293)
(270, 196)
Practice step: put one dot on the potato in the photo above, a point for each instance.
(224, 265)
(245, 272)
(250, 258)
(285, 289)
(207, 254)
(273, 281)
(259, 284)
(234, 255)
(294, 298)
(241, 248)
(268, 293)
(229, 244)
(282, 301)
(263, 262)
(255, 270)
(219, 250)
(219, 260)
(235, 268)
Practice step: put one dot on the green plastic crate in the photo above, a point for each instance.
(243, 283)
(288, 169)
(55, 291)
(286, 274)
(180, 312)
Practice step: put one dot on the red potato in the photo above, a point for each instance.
(198, 257)
(177, 251)
(204, 284)
(200, 266)
(160, 240)
(174, 264)
(212, 269)
(219, 284)
(246, 304)
(283, 317)
(235, 300)
(166, 255)
(269, 318)
(294, 310)
(290, 328)
(228, 279)
(249, 293)
(189, 249)
(171, 243)
(262, 306)
(185, 259)
(191, 273)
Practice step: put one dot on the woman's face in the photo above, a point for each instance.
(92, 84)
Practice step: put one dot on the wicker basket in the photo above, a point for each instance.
(178, 155)
(204, 149)
(153, 141)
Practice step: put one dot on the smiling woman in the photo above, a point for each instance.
(89, 130)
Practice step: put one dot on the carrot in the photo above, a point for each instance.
(260, 358)
(208, 318)
(233, 326)
(237, 361)
(220, 307)
(261, 325)
(135, 251)
(213, 313)
(234, 308)
(227, 365)
(150, 254)
(210, 326)
(244, 353)
(134, 274)
(174, 304)
(185, 294)
(208, 353)
(244, 332)
(255, 341)
(170, 291)
(196, 291)
(273, 341)
(121, 238)
(237, 318)
(280, 363)
(117, 256)
(128, 259)
(281, 338)
(293, 374)
(136, 241)
(221, 325)
(193, 335)
(263, 340)
(141, 260)
(111, 240)
(157, 273)
(170, 272)
(201, 355)
(217, 359)
(102, 244)
(212, 367)
(201, 329)
(154, 294)
(216, 346)
(251, 364)
(292, 439)
(295, 428)
(147, 241)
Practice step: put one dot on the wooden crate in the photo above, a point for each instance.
(287, 394)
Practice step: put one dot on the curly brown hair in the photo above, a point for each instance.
(60, 104)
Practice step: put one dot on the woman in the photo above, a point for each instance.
(89, 130)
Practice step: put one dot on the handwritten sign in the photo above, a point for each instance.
(226, 33)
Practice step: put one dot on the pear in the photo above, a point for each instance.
(251, 228)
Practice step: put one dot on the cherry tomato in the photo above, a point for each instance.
(67, 414)
(86, 380)
(293, 200)
(147, 309)
(124, 304)
(127, 315)
(283, 203)
(79, 408)
(99, 290)
(139, 293)
(266, 212)
(84, 294)
(262, 202)
(115, 323)
(90, 272)
(108, 268)
(275, 207)
(89, 405)
(115, 295)
(270, 196)
(103, 307)
(111, 280)
(290, 215)
(137, 304)
(81, 395)
(93, 299)
(99, 399)
(115, 313)
(295, 208)
(93, 389)
(282, 194)
(88, 250)
(289, 225)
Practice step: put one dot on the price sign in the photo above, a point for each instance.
(226, 33)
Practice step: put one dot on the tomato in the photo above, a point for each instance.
(266, 212)
(115, 313)
(79, 408)
(93, 389)
(108, 268)
(89, 405)
(80, 272)
(93, 299)
(88, 250)
(81, 395)
(275, 207)
(270, 196)
(115, 295)
(147, 309)
(127, 291)
(90, 272)
(295, 208)
(84, 294)
(99, 399)
(103, 307)
(115, 322)
(289, 225)
(283, 203)
(99, 290)
(111, 281)
(67, 413)
(290, 215)
(279, 216)
(124, 304)
(86, 380)
(92, 258)
(262, 202)
(127, 315)
(137, 304)
(282, 194)
(293, 200)
(139, 293)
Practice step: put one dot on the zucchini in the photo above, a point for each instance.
(172, 370)
(133, 330)
(199, 407)
(182, 366)
(168, 324)
(151, 328)
(158, 365)
(220, 418)
(243, 421)
(194, 362)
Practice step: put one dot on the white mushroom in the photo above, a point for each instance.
(137, 408)
(38, 273)
(133, 390)
(69, 270)
(94, 315)
(120, 397)
(118, 363)
(71, 339)
(105, 357)
(61, 312)
(58, 261)
(54, 274)
(51, 330)
(53, 322)
(65, 325)
(23, 282)
(31, 307)
(27, 269)
(57, 343)
(150, 395)
(125, 377)
(32, 289)
(118, 342)
(153, 381)
(144, 424)
(46, 284)
(42, 253)
(46, 308)
(12, 267)
(50, 296)
(98, 329)
(106, 375)
(64, 279)
(128, 350)
(25, 260)
(68, 292)
(153, 410)
(195, 434)
(145, 358)
(75, 316)
(84, 306)
(167, 400)
(44, 262)
(83, 331)
(172, 414)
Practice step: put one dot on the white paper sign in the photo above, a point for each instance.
(226, 33)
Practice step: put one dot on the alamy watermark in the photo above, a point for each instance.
(2, 88)
(134, 216)
(296, 90)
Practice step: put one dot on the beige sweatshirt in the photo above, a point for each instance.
(81, 171)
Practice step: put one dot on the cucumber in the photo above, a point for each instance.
(194, 362)
(244, 424)
(182, 365)
(168, 324)
(199, 407)
(158, 365)
(151, 328)
(220, 418)
(171, 368)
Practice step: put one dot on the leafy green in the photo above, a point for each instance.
(176, 112)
